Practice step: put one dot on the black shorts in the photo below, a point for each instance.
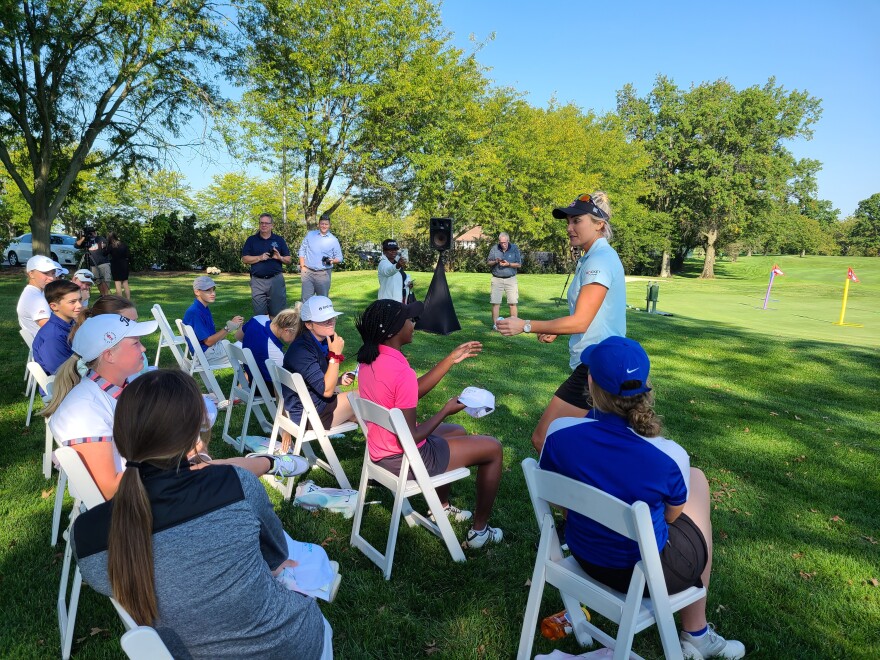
(326, 415)
(574, 390)
(435, 455)
(683, 559)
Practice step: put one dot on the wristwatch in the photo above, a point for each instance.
(527, 327)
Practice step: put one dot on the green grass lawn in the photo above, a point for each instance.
(779, 408)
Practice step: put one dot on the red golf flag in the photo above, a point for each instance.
(851, 275)
(778, 271)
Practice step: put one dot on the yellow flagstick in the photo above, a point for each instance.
(843, 306)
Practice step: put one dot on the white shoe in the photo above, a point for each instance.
(710, 645)
(477, 539)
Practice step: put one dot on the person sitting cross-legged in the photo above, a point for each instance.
(618, 449)
(200, 319)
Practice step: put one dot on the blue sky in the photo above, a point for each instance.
(584, 52)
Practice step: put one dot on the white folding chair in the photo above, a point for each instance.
(254, 393)
(144, 643)
(631, 611)
(403, 488)
(29, 341)
(86, 495)
(167, 338)
(38, 379)
(197, 363)
(300, 431)
(42, 381)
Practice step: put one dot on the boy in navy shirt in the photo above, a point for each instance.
(199, 317)
(51, 347)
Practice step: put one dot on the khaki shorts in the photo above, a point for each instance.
(504, 286)
(101, 273)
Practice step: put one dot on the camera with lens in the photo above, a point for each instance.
(326, 261)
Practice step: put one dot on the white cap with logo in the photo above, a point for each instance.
(84, 275)
(103, 332)
(41, 263)
(318, 308)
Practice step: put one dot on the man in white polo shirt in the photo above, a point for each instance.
(33, 310)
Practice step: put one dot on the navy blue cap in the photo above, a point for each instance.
(583, 205)
(618, 365)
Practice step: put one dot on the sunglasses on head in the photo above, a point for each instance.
(593, 209)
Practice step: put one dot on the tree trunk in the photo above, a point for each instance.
(665, 266)
(284, 189)
(749, 253)
(709, 262)
(40, 222)
(803, 253)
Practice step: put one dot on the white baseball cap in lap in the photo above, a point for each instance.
(84, 275)
(103, 332)
(318, 308)
(41, 263)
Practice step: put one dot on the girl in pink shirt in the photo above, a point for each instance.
(386, 378)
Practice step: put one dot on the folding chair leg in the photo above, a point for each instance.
(59, 506)
(396, 511)
(47, 452)
(67, 614)
(333, 461)
(31, 403)
(533, 605)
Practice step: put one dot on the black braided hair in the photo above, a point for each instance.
(373, 327)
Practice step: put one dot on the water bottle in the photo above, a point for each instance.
(559, 625)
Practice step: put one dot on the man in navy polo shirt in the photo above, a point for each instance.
(266, 253)
(199, 317)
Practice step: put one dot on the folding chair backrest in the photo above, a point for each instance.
(28, 339)
(547, 488)
(282, 378)
(43, 379)
(144, 643)
(391, 420)
(168, 338)
(79, 481)
(202, 366)
(244, 357)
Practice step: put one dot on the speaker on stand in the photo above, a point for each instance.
(439, 315)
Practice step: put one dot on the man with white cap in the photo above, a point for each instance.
(33, 310)
(394, 283)
(200, 319)
(107, 352)
(83, 278)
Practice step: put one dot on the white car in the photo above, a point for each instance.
(63, 249)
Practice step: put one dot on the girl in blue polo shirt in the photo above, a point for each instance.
(618, 449)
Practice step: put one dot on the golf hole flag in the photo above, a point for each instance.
(850, 277)
(773, 273)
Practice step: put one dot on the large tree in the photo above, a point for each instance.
(338, 93)
(721, 160)
(75, 72)
(863, 233)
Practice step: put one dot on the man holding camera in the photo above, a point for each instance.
(394, 283)
(505, 259)
(96, 248)
(266, 253)
(319, 251)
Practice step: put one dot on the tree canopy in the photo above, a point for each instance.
(75, 72)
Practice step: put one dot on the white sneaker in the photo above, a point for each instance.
(453, 512)
(710, 645)
(477, 539)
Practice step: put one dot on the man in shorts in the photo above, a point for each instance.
(95, 247)
(505, 260)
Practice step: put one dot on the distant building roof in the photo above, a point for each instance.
(471, 235)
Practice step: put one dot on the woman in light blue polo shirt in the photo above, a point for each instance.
(596, 305)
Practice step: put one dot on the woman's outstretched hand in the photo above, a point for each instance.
(510, 326)
(467, 350)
